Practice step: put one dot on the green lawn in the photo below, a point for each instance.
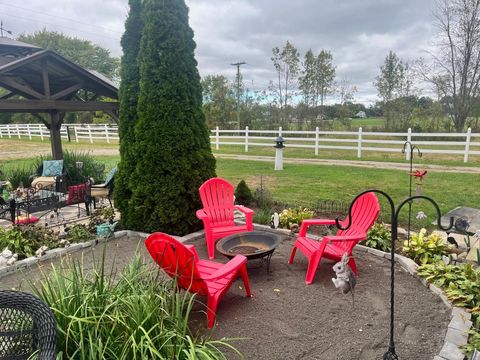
(306, 185)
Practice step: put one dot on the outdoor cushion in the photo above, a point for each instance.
(52, 168)
(43, 182)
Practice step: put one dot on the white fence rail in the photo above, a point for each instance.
(466, 144)
(70, 132)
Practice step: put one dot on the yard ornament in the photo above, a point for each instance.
(7, 258)
(345, 280)
(275, 220)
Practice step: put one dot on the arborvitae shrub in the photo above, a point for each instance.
(172, 144)
(128, 97)
(243, 195)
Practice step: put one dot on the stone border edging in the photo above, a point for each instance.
(57, 252)
(460, 323)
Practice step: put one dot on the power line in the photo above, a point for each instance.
(60, 17)
(59, 25)
(2, 29)
(238, 64)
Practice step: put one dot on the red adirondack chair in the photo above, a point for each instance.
(364, 213)
(201, 277)
(217, 196)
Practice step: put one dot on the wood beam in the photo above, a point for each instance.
(29, 106)
(7, 96)
(46, 81)
(22, 88)
(114, 115)
(66, 91)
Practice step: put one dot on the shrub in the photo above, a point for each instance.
(425, 249)
(290, 216)
(128, 99)
(243, 195)
(172, 143)
(378, 237)
(132, 315)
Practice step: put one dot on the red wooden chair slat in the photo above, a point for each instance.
(364, 213)
(217, 197)
(201, 277)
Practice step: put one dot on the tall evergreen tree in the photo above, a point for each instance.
(172, 139)
(129, 88)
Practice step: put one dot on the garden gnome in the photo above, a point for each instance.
(7, 258)
(345, 280)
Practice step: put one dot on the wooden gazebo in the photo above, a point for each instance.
(47, 85)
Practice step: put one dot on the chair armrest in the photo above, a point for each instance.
(345, 238)
(231, 266)
(309, 222)
(201, 214)
(244, 209)
(193, 250)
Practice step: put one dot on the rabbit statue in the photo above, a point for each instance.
(7, 258)
(345, 280)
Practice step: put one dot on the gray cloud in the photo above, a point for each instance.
(359, 33)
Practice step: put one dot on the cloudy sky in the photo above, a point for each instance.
(359, 33)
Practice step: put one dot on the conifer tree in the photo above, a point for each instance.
(172, 140)
(128, 96)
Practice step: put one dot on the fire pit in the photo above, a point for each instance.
(252, 245)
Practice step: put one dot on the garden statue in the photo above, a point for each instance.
(7, 258)
(345, 280)
(43, 249)
(275, 220)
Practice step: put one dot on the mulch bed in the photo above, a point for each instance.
(286, 319)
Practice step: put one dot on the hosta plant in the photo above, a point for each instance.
(378, 237)
(425, 249)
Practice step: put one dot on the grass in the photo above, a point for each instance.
(306, 185)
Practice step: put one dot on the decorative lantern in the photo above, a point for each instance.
(279, 152)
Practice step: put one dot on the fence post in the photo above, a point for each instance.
(217, 138)
(1, 134)
(317, 139)
(409, 138)
(280, 131)
(40, 129)
(29, 133)
(18, 131)
(246, 138)
(8, 131)
(106, 134)
(76, 134)
(359, 148)
(90, 133)
(467, 144)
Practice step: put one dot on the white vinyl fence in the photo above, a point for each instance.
(70, 132)
(466, 144)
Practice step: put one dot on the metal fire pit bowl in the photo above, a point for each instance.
(252, 245)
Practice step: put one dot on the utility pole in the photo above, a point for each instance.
(238, 64)
(2, 29)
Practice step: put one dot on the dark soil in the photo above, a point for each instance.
(286, 319)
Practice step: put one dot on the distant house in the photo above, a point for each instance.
(361, 115)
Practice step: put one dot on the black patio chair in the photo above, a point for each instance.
(27, 327)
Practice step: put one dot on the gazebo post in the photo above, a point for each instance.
(55, 135)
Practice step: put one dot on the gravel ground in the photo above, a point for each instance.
(286, 319)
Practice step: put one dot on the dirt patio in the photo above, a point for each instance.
(286, 319)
